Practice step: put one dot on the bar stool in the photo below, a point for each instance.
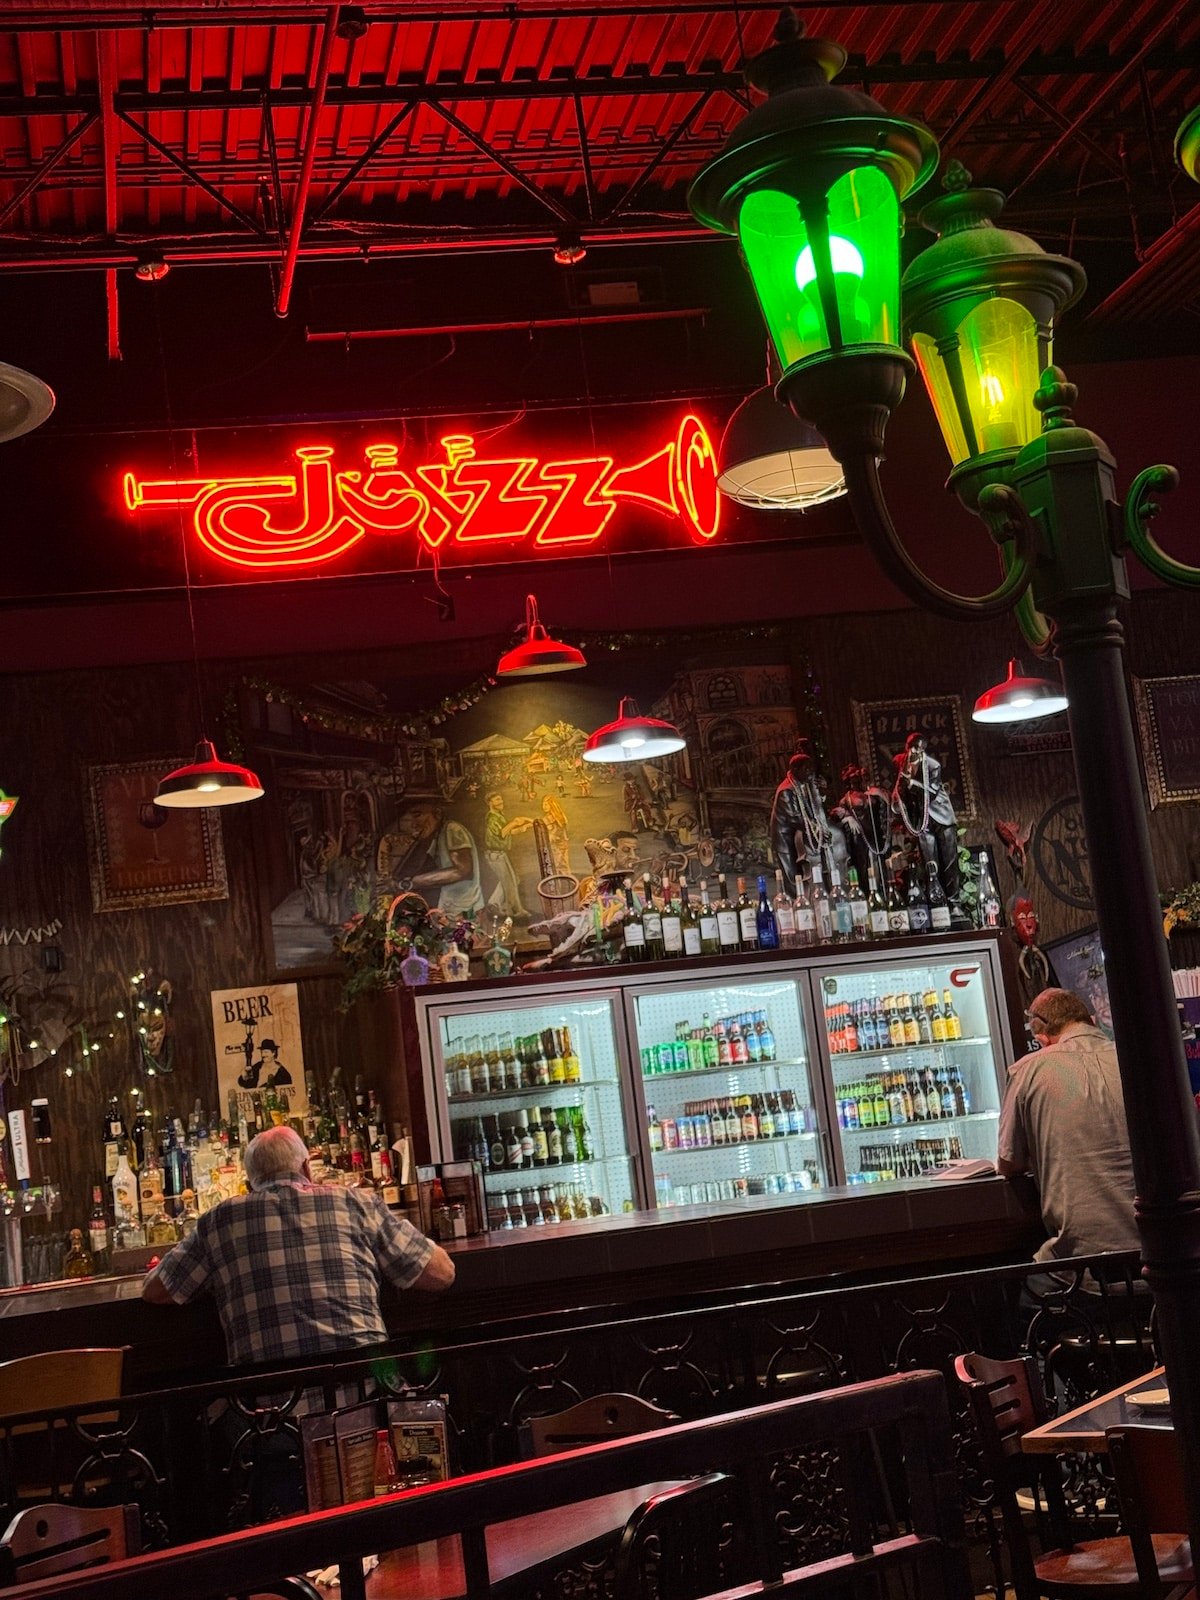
(55, 1380)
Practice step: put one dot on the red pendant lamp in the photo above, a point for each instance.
(207, 781)
(633, 737)
(1018, 698)
(537, 653)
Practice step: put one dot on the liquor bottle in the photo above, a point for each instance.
(651, 922)
(386, 1474)
(858, 907)
(689, 920)
(951, 1017)
(747, 918)
(939, 906)
(989, 900)
(841, 916)
(727, 920)
(802, 909)
(633, 930)
(160, 1230)
(114, 1132)
(822, 914)
(151, 1185)
(785, 914)
(918, 911)
(877, 911)
(898, 923)
(672, 925)
(710, 937)
(764, 918)
(77, 1263)
(98, 1229)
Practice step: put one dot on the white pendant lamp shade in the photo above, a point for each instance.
(537, 653)
(633, 737)
(25, 402)
(771, 461)
(1019, 699)
(206, 781)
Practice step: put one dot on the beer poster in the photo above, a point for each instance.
(258, 1047)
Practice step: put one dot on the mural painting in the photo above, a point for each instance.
(500, 817)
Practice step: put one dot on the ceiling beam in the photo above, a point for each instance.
(110, 139)
(287, 276)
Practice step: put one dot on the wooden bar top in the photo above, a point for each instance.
(620, 1263)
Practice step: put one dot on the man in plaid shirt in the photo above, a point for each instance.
(295, 1266)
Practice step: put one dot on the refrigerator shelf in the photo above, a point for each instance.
(840, 1057)
(909, 1129)
(515, 1176)
(531, 1091)
(703, 1072)
(735, 1144)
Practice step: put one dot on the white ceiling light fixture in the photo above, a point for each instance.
(1018, 698)
(633, 737)
(771, 461)
(25, 402)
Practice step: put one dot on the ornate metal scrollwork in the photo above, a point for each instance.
(1139, 510)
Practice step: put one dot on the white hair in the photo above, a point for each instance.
(276, 1153)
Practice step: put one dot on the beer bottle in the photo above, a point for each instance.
(951, 1017)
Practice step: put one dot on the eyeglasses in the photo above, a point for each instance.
(1034, 1021)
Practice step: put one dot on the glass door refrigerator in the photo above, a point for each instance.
(727, 1094)
(916, 1048)
(536, 1093)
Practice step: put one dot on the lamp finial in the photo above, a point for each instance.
(1055, 396)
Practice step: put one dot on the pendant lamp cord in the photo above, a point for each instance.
(173, 446)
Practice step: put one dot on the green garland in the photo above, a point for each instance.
(419, 725)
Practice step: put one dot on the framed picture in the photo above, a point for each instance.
(1168, 711)
(141, 854)
(882, 726)
(257, 1044)
(1078, 962)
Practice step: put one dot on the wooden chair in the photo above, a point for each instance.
(1007, 1401)
(592, 1421)
(687, 1542)
(1149, 1476)
(43, 1541)
(57, 1379)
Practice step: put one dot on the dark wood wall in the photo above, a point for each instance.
(55, 724)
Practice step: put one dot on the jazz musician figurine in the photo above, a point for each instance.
(864, 814)
(920, 800)
(800, 831)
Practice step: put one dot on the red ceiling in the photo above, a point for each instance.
(1069, 103)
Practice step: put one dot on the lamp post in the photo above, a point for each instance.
(814, 164)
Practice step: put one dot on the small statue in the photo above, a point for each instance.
(920, 800)
(864, 814)
(800, 831)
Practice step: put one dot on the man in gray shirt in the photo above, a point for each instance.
(1063, 1119)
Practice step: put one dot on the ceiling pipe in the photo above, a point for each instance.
(291, 255)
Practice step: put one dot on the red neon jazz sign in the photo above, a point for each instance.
(490, 507)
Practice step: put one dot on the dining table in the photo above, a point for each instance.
(584, 1531)
(1084, 1428)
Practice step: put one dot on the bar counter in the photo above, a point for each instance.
(701, 1254)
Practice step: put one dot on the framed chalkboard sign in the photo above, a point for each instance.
(1169, 717)
(882, 726)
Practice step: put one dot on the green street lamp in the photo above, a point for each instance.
(811, 182)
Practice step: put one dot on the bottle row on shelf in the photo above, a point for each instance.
(742, 1040)
(550, 1137)
(881, 1163)
(895, 1022)
(894, 1099)
(498, 1063)
(800, 1181)
(538, 1207)
(735, 1120)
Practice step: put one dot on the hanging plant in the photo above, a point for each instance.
(1182, 909)
(374, 945)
